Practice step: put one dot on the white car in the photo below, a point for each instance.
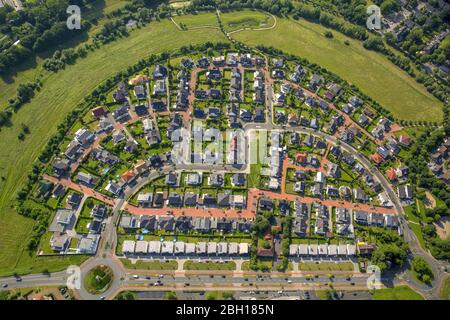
(135, 276)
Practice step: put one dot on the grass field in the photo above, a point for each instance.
(209, 265)
(246, 19)
(397, 293)
(370, 71)
(342, 266)
(444, 293)
(62, 91)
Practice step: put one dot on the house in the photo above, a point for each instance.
(74, 199)
(194, 179)
(238, 201)
(359, 195)
(180, 246)
(160, 72)
(88, 244)
(214, 94)
(59, 242)
(189, 248)
(390, 173)
(202, 225)
(61, 167)
(171, 179)
(129, 222)
(141, 110)
(211, 248)
(209, 200)
(363, 120)
(121, 113)
(98, 112)
(334, 170)
(154, 247)
(84, 137)
(167, 247)
(259, 115)
(404, 141)
(333, 91)
(121, 94)
(128, 246)
(139, 92)
(160, 87)
(223, 199)
(203, 62)
(149, 223)
(85, 178)
(174, 200)
(320, 177)
(214, 74)
(200, 248)
(377, 219)
(216, 180)
(315, 82)
(390, 221)
(299, 187)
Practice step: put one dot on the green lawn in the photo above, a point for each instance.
(150, 265)
(397, 293)
(209, 265)
(370, 71)
(53, 103)
(98, 279)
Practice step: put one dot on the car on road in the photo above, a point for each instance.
(102, 298)
(161, 276)
(289, 281)
(19, 279)
(5, 285)
(135, 276)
